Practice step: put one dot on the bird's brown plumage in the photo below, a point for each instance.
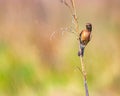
(85, 37)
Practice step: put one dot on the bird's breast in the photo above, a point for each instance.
(85, 35)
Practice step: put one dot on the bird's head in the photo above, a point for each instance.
(89, 26)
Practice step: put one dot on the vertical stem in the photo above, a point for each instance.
(75, 15)
(81, 58)
(86, 87)
(83, 67)
(84, 76)
(73, 6)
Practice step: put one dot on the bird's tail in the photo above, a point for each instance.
(81, 52)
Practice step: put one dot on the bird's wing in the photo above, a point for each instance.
(80, 35)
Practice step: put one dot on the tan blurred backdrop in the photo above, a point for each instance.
(34, 64)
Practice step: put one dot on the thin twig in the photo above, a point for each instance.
(63, 31)
(51, 36)
(83, 67)
(66, 4)
(75, 15)
(81, 58)
(86, 87)
(79, 70)
(84, 75)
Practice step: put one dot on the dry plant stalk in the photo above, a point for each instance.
(74, 15)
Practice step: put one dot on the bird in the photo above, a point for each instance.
(84, 38)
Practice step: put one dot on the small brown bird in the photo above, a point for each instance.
(84, 38)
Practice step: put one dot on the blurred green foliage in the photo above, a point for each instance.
(14, 72)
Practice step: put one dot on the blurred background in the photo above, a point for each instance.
(34, 64)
